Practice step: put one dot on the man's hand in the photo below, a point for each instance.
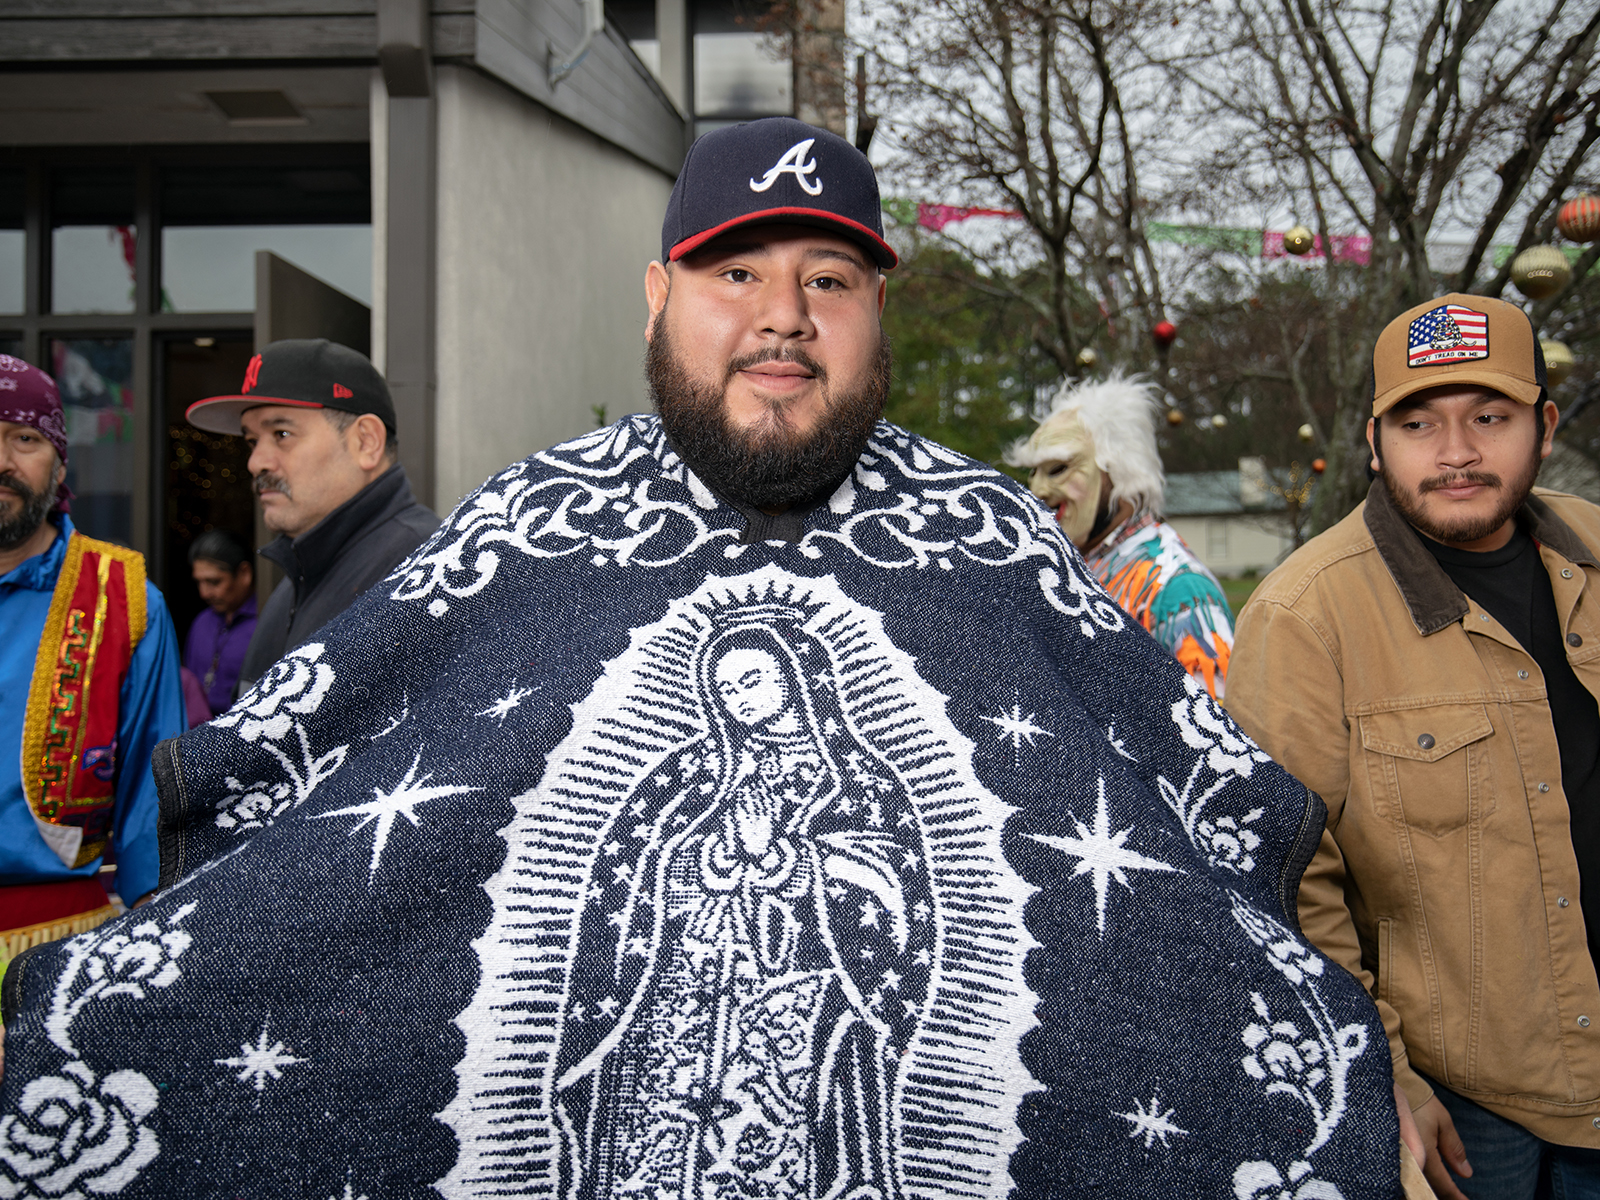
(1408, 1127)
(1437, 1133)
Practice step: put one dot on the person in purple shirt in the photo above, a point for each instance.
(221, 633)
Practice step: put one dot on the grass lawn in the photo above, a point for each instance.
(1238, 591)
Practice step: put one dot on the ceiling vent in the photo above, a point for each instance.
(257, 108)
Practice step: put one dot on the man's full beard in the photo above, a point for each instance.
(16, 527)
(771, 465)
(1464, 529)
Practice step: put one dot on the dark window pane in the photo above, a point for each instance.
(207, 478)
(96, 380)
(91, 196)
(12, 198)
(321, 194)
(732, 16)
(635, 18)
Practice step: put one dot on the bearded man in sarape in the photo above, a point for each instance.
(749, 800)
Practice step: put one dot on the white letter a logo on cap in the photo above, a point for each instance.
(793, 162)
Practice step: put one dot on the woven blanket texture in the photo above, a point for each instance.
(595, 854)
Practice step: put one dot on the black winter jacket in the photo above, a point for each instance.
(332, 563)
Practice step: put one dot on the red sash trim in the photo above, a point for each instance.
(36, 903)
(69, 735)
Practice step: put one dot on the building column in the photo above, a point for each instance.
(410, 183)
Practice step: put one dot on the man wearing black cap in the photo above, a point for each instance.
(321, 429)
(753, 800)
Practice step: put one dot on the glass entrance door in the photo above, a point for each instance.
(204, 481)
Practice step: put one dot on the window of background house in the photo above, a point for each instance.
(214, 219)
(636, 19)
(92, 240)
(13, 242)
(740, 70)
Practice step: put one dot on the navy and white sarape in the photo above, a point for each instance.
(596, 854)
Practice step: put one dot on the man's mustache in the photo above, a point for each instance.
(1459, 479)
(791, 354)
(20, 486)
(269, 482)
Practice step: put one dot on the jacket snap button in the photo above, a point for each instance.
(1483, 616)
(1584, 1021)
(1562, 902)
(1595, 1122)
(1566, 573)
(1522, 674)
(1574, 639)
(1544, 787)
(1426, 741)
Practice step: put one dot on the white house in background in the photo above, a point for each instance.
(1231, 519)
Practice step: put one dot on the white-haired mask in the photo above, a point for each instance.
(1094, 452)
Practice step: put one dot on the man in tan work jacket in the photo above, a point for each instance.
(1430, 666)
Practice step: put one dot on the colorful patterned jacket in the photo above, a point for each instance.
(1157, 579)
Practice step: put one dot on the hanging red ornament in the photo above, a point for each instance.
(1319, 465)
(1164, 334)
(1579, 219)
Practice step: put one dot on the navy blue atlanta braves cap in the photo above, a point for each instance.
(774, 171)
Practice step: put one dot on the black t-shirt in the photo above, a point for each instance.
(1512, 584)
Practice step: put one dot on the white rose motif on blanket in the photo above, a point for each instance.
(1204, 726)
(1263, 1181)
(73, 1135)
(293, 686)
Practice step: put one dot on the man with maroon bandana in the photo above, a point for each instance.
(88, 686)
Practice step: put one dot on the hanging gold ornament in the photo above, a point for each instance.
(1299, 240)
(1087, 358)
(1558, 361)
(1540, 271)
(1306, 433)
(1218, 421)
(1174, 417)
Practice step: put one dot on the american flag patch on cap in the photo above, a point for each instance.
(1449, 333)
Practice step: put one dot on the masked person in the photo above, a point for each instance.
(88, 686)
(663, 827)
(325, 465)
(1430, 666)
(1094, 461)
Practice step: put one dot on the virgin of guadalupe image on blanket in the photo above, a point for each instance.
(756, 950)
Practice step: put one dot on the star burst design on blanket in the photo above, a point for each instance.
(386, 807)
(503, 707)
(1018, 728)
(1101, 854)
(1153, 1124)
(258, 1063)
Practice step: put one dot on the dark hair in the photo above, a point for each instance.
(220, 547)
(341, 420)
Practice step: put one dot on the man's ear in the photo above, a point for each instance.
(657, 283)
(61, 470)
(1372, 423)
(367, 440)
(1552, 416)
(883, 292)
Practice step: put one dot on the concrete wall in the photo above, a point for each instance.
(1232, 545)
(544, 233)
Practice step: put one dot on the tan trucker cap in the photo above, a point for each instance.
(1457, 339)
